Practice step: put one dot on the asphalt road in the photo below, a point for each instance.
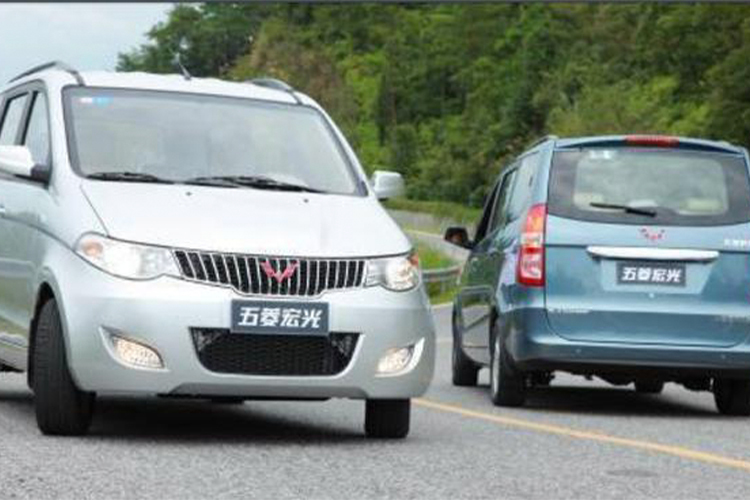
(576, 439)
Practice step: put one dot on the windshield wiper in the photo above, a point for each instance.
(125, 176)
(259, 182)
(212, 181)
(625, 208)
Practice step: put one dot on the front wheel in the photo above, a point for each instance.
(732, 396)
(507, 385)
(61, 408)
(387, 418)
(227, 400)
(649, 387)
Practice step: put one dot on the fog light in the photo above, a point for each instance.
(395, 360)
(136, 354)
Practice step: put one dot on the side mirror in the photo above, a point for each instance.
(17, 160)
(387, 184)
(458, 236)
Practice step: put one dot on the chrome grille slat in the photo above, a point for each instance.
(221, 270)
(231, 268)
(242, 266)
(255, 273)
(245, 273)
(249, 263)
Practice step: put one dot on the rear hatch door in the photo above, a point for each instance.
(649, 246)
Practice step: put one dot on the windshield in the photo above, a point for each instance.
(179, 137)
(648, 186)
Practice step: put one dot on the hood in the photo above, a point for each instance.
(248, 221)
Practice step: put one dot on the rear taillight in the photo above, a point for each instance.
(530, 270)
(658, 141)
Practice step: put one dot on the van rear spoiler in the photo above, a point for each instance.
(654, 141)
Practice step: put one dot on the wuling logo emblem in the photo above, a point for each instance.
(279, 275)
(652, 235)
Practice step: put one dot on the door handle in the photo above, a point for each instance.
(2, 210)
(648, 253)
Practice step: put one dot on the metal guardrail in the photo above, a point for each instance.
(445, 277)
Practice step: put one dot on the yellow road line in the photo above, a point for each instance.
(677, 451)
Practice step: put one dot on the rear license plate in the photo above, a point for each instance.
(284, 318)
(650, 273)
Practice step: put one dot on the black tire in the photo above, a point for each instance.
(732, 396)
(507, 384)
(227, 400)
(61, 408)
(649, 386)
(465, 371)
(387, 418)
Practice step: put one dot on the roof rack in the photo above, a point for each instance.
(539, 141)
(276, 84)
(51, 65)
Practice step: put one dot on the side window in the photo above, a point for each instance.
(521, 191)
(484, 222)
(11, 121)
(500, 212)
(37, 132)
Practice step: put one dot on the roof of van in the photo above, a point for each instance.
(149, 81)
(618, 140)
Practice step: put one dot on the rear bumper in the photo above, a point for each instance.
(534, 346)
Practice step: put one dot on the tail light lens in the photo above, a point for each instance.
(530, 270)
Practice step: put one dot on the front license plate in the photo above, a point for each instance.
(650, 273)
(284, 318)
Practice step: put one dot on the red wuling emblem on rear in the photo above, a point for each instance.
(652, 235)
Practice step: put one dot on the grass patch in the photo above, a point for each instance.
(441, 297)
(430, 258)
(460, 214)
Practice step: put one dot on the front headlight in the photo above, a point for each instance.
(394, 273)
(126, 260)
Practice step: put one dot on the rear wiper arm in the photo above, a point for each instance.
(625, 208)
(125, 176)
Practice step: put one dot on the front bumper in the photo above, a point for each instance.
(160, 313)
(534, 346)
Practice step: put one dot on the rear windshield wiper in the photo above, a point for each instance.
(259, 182)
(125, 176)
(625, 208)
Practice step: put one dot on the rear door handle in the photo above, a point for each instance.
(2, 210)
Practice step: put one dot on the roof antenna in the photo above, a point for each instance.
(178, 62)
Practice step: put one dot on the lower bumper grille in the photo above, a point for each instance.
(221, 351)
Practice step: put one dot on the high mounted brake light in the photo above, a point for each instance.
(530, 270)
(659, 141)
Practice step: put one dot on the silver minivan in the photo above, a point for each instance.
(162, 235)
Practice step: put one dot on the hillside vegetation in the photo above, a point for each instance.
(446, 94)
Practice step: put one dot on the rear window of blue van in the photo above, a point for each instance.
(650, 186)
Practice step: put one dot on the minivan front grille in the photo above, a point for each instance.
(271, 275)
(221, 351)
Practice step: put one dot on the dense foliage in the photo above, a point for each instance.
(446, 93)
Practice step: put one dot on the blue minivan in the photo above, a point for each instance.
(621, 257)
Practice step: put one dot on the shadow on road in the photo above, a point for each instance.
(610, 401)
(196, 421)
(204, 421)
